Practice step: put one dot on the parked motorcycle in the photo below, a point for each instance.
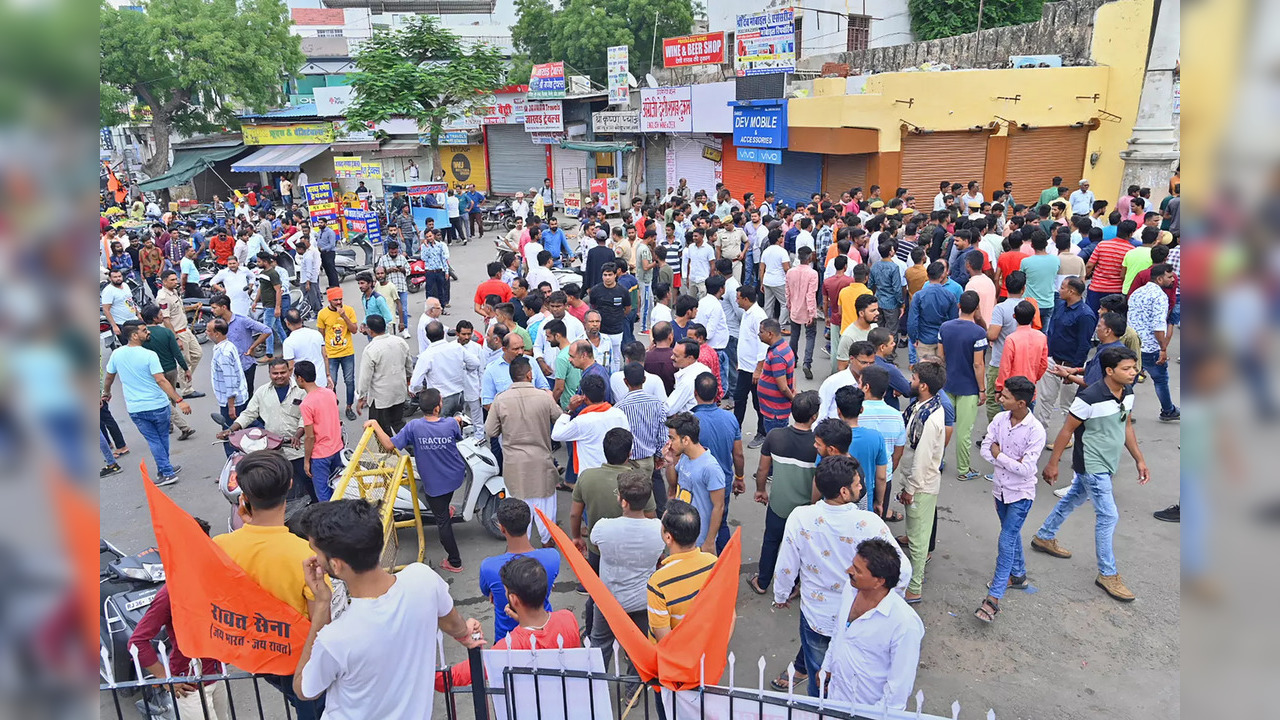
(417, 275)
(127, 586)
(500, 214)
(348, 262)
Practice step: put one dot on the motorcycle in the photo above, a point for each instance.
(127, 586)
(346, 260)
(500, 214)
(417, 280)
(251, 440)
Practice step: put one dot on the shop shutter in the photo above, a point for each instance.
(569, 170)
(684, 160)
(742, 177)
(515, 162)
(1037, 156)
(841, 173)
(797, 178)
(655, 164)
(929, 159)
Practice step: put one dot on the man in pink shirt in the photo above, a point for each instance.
(802, 303)
(982, 284)
(321, 429)
(1026, 350)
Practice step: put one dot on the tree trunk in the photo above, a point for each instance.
(158, 163)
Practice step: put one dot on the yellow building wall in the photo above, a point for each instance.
(961, 99)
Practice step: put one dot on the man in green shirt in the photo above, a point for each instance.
(567, 377)
(1139, 258)
(595, 495)
(792, 475)
(1049, 194)
(164, 343)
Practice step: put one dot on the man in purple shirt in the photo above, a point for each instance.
(1013, 445)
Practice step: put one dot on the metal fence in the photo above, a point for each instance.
(547, 689)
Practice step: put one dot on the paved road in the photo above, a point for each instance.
(1061, 650)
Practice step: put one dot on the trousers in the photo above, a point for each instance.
(154, 426)
(1009, 559)
(329, 263)
(919, 528)
(774, 526)
(177, 420)
(811, 339)
(1053, 397)
(192, 353)
(746, 386)
(347, 366)
(1086, 487)
(966, 416)
(322, 468)
(439, 505)
(775, 298)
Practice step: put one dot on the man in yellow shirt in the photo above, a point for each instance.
(849, 295)
(266, 550)
(337, 323)
(683, 573)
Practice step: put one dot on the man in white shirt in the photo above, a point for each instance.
(751, 352)
(543, 351)
(309, 272)
(634, 352)
(542, 272)
(805, 238)
(455, 231)
(237, 283)
(520, 207)
(304, 343)
(432, 310)
(971, 195)
(875, 652)
(940, 200)
(698, 260)
(371, 660)
(1082, 200)
(445, 366)
(818, 546)
(711, 316)
(589, 418)
(774, 264)
(684, 355)
(861, 354)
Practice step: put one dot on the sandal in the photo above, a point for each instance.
(987, 611)
(564, 487)
(784, 684)
(894, 516)
(913, 600)
(121, 452)
(754, 582)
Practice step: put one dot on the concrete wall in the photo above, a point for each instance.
(1065, 28)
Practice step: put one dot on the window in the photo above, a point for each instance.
(335, 32)
(859, 33)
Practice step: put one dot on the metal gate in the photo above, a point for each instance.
(515, 162)
(842, 173)
(797, 178)
(929, 159)
(1038, 155)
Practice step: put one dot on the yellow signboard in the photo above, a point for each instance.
(371, 169)
(296, 134)
(346, 167)
(464, 165)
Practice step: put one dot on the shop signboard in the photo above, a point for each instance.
(449, 137)
(371, 169)
(296, 134)
(333, 101)
(544, 116)
(364, 221)
(346, 167)
(690, 50)
(765, 42)
(572, 203)
(619, 89)
(426, 189)
(626, 121)
(547, 81)
(761, 124)
(546, 138)
(668, 109)
(760, 155)
(318, 193)
(607, 189)
(326, 210)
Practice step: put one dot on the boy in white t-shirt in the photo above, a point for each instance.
(629, 548)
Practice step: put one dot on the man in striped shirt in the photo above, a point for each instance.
(775, 381)
(1106, 264)
(686, 569)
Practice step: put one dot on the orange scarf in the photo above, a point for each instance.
(598, 407)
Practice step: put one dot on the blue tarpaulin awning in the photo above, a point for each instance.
(279, 158)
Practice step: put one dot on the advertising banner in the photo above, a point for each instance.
(342, 132)
(318, 193)
(666, 109)
(371, 169)
(546, 138)
(328, 211)
(449, 137)
(765, 43)
(426, 189)
(547, 81)
(619, 89)
(544, 116)
(465, 166)
(627, 121)
(761, 125)
(760, 155)
(364, 221)
(608, 190)
(296, 134)
(331, 101)
(572, 203)
(690, 50)
(346, 167)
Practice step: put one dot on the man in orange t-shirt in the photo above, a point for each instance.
(1009, 261)
(492, 286)
(1026, 350)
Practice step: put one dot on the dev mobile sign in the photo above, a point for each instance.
(765, 43)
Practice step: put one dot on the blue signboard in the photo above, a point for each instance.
(760, 123)
(364, 221)
(760, 155)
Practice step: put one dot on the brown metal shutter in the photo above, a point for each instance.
(741, 177)
(841, 173)
(929, 159)
(1038, 155)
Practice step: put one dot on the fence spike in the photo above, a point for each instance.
(560, 654)
(137, 665)
(731, 660)
(440, 638)
(759, 664)
(823, 675)
(226, 670)
(955, 710)
(884, 708)
(791, 680)
(164, 660)
(108, 666)
(617, 649)
(991, 712)
(195, 668)
(919, 695)
(533, 650)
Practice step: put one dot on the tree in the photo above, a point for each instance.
(580, 31)
(933, 19)
(194, 64)
(422, 71)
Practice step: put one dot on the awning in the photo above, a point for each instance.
(279, 158)
(189, 163)
(355, 146)
(587, 146)
(399, 148)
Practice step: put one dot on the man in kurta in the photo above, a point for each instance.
(522, 415)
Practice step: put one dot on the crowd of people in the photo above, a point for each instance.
(629, 388)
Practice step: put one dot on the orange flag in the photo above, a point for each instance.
(219, 612)
(676, 661)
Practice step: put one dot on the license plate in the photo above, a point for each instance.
(139, 603)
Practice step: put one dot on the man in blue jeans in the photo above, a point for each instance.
(722, 437)
(147, 394)
(1149, 318)
(1101, 422)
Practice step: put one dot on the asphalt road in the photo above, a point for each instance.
(1061, 649)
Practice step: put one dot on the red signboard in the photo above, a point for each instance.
(704, 49)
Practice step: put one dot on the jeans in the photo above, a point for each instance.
(1085, 487)
(154, 426)
(1093, 299)
(1009, 559)
(749, 269)
(746, 386)
(439, 505)
(629, 328)
(276, 323)
(646, 306)
(813, 645)
(811, 339)
(1160, 379)
(347, 365)
(108, 457)
(305, 709)
(774, 525)
(725, 372)
(771, 424)
(730, 352)
(435, 285)
(966, 415)
(1046, 315)
(404, 310)
(321, 469)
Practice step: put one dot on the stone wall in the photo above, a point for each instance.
(1065, 28)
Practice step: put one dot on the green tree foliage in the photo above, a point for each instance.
(422, 71)
(580, 31)
(933, 19)
(194, 64)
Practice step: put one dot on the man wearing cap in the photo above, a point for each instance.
(1082, 199)
(337, 324)
(520, 207)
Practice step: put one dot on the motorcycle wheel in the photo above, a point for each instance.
(509, 222)
(488, 503)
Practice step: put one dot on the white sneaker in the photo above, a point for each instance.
(1062, 491)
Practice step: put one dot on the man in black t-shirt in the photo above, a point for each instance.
(612, 301)
(596, 258)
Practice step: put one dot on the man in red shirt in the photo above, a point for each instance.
(1105, 268)
(222, 246)
(831, 288)
(1026, 350)
(492, 286)
(1009, 261)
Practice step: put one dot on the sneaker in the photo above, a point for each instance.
(971, 475)
(112, 469)
(808, 372)
(1172, 514)
(1016, 582)
(989, 478)
(1174, 416)
(756, 442)
(581, 589)
(193, 394)
(1049, 547)
(351, 414)
(1142, 376)
(1062, 491)
(1115, 587)
(186, 434)
(169, 479)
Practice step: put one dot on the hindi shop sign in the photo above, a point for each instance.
(318, 193)
(690, 50)
(544, 117)
(547, 82)
(297, 134)
(347, 167)
(364, 221)
(760, 123)
(667, 109)
(616, 122)
(619, 88)
(765, 43)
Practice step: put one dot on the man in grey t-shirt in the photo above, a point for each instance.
(629, 547)
(1002, 323)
